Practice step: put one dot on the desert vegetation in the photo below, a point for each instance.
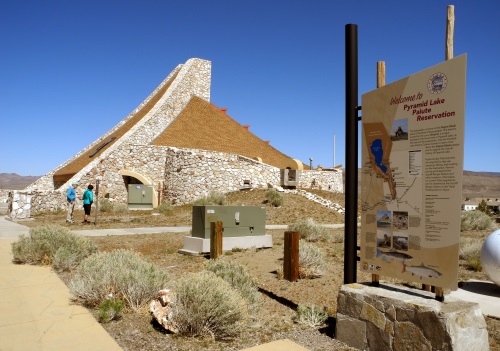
(241, 290)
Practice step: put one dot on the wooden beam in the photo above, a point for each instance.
(450, 29)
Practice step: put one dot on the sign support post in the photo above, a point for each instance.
(351, 169)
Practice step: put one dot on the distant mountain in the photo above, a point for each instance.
(13, 181)
(481, 184)
(474, 184)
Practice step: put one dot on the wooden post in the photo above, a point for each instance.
(291, 259)
(216, 229)
(380, 83)
(439, 294)
(450, 29)
(96, 200)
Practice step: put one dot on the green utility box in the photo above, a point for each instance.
(140, 196)
(237, 220)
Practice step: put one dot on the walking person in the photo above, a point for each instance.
(88, 199)
(71, 197)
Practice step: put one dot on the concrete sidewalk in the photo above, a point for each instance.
(36, 313)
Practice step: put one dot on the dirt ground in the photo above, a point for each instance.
(274, 320)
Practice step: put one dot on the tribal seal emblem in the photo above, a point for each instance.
(437, 83)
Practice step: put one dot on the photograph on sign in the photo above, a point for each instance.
(411, 179)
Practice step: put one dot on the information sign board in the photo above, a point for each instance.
(412, 166)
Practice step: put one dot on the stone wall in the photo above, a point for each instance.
(330, 180)
(182, 175)
(400, 318)
(22, 204)
(191, 174)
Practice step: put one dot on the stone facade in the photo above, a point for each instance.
(400, 318)
(180, 176)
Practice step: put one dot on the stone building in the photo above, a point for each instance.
(176, 143)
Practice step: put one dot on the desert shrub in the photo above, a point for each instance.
(52, 244)
(120, 208)
(105, 205)
(213, 198)
(280, 274)
(476, 220)
(164, 207)
(110, 309)
(337, 237)
(470, 252)
(483, 207)
(57, 210)
(238, 278)
(475, 264)
(311, 260)
(310, 315)
(206, 305)
(122, 273)
(274, 197)
(309, 230)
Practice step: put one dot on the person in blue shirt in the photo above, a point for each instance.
(88, 199)
(71, 197)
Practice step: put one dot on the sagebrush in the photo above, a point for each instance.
(206, 305)
(52, 245)
(238, 278)
(105, 205)
(213, 198)
(470, 252)
(309, 230)
(476, 220)
(119, 274)
(311, 260)
(274, 197)
(120, 208)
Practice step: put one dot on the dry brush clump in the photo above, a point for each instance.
(239, 279)
(476, 220)
(119, 274)
(213, 198)
(310, 315)
(207, 305)
(470, 252)
(274, 197)
(309, 230)
(312, 262)
(52, 245)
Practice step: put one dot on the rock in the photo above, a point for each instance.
(400, 318)
(162, 309)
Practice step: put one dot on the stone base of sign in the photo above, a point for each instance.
(199, 246)
(400, 318)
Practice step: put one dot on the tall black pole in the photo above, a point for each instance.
(351, 153)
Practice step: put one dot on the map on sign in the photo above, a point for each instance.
(412, 161)
(394, 177)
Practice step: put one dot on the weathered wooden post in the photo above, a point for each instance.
(96, 201)
(291, 256)
(216, 229)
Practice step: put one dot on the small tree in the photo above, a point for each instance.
(483, 207)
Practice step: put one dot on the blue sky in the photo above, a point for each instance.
(71, 70)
